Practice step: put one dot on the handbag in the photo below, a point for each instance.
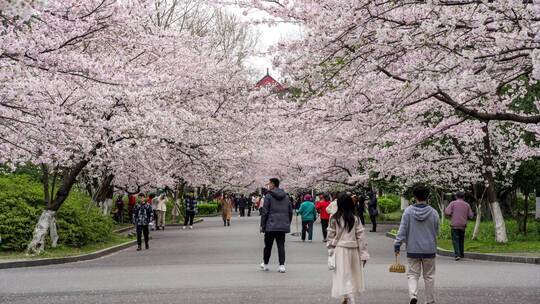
(332, 257)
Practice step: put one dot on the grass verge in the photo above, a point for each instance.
(64, 251)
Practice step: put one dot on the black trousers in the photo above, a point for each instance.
(189, 218)
(242, 211)
(269, 238)
(307, 227)
(373, 221)
(324, 224)
(458, 240)
(142, 230)
(362, 219)
(249, 210)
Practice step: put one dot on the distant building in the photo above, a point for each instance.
(269, 81)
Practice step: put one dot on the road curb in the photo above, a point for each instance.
(78, 258)
(485, 256)
(71, 259)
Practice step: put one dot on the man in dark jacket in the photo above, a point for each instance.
(372, 210)
(142, 216)
(276, 218)
(242, 204)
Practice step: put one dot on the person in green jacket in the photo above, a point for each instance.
(309, 214)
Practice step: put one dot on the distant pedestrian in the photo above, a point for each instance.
(309, 214)
(418, 229)
(325, 216)
(250, 203)
(161, 209)
(132, 201)
(226, 210)
(347, 242)
(120, 209)
(276, 218)
(142, 216)
(459, 211)
(191, 211)
(373, 210)
(242, 204)
(153, 224)
(360, 206)
(176, 210)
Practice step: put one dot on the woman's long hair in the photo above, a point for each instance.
(345, 211)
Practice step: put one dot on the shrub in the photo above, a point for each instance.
(17, 220)
(79, 221)
(389, 203)
(207, 209)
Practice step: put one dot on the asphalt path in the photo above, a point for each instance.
(216, 264)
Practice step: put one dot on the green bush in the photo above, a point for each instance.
(17, 220)
(389, 203)
(79, 221)
(207, 209)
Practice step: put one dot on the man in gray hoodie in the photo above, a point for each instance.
(418, 229)
(276, 217)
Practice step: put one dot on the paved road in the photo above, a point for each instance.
(216, 264)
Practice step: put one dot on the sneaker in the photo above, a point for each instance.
(413, 301)
(190, 227)
(458, 258)
(311, 241)
(264, 267)
(281, 269)
(147, 247)
(139, 248)
(184, 228)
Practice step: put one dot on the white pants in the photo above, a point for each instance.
(426, 267)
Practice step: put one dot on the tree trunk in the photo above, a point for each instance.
(476, 230)
(48, 216)
(404, 203)
(526, 215)
(537, 203)
(496, 213)
(37, 244)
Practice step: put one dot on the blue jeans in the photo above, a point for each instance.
(307, 226)
(458, 240)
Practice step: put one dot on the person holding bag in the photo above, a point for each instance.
(347, 250)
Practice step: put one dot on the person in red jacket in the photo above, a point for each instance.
(132, 201)
(325, 217)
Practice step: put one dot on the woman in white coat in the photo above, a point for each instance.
(347, 242)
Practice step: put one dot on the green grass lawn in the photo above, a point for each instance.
(517, 242)
(492, 247)
(64, 251)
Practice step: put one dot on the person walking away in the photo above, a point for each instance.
(459, 211)
(120, 209)
(250, 203)
(372, 210)
(153, 224)
(347, 242)
(161, 209)
(142, 216)
(276, 218)
(235, 200)
(191, 210)
(418, 229)
(309, 214)
(242, 204)
(226, 211)
(132, 201)
(325, 216)
(360, 207)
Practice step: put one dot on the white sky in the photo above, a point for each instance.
(268, 36)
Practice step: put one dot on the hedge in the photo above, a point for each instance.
(79, 221)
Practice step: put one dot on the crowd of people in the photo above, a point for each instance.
(342, 222)
(342, 218)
